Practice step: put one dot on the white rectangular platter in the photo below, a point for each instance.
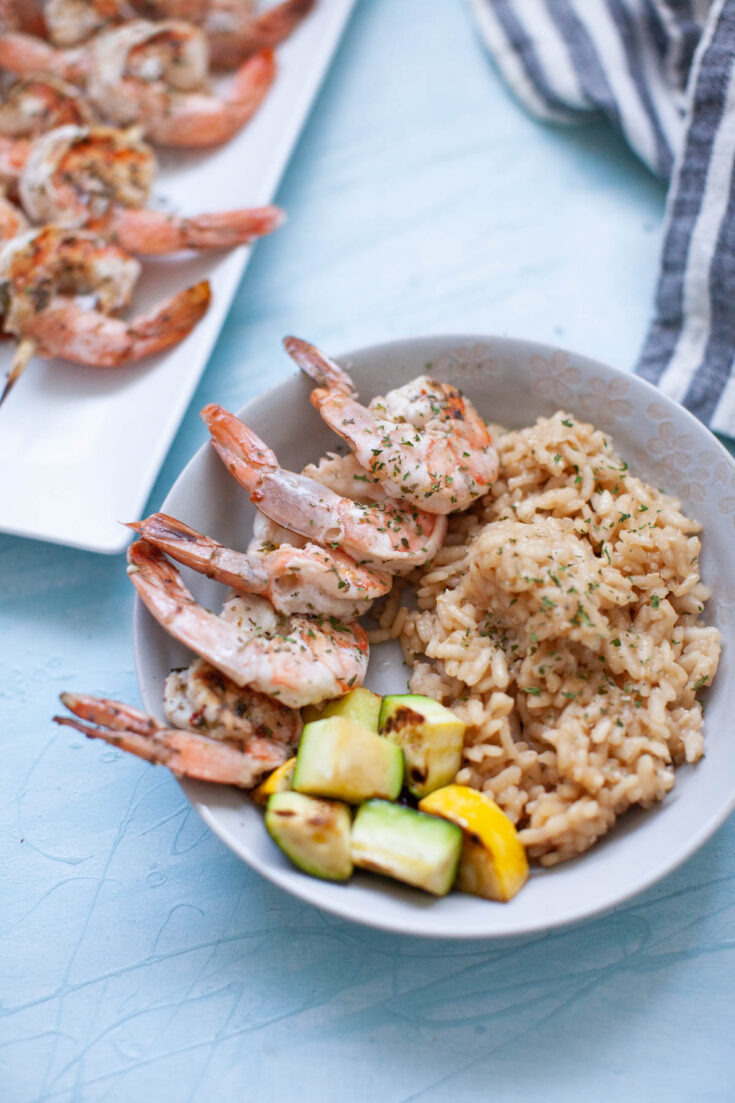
(79, 447)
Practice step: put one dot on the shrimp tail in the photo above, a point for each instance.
(264, 31)
(158, 583)
(111, 714)
(201, 553)
(161, 589)
(185, 753)
(241, 450)
(168, 324)
(151, 233)
(292, 501)
(90, 337)
(24, 351)
(276, 24)
(230, 228)
(325, 372)
(251, 83)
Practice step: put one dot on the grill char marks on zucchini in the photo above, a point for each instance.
(430, 737)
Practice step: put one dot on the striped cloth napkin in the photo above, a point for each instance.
(663, 73)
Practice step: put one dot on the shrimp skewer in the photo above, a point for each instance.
(101, 177)
(186, 753)
(390, 536)
(200, 119)
(43, 271)
(295, 580)
(298, 660)
(155, 74)
(425, 443)
(68, 331)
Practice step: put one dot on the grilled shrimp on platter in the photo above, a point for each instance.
(32, 105)
(101, 177)
(156, 74)
(45, 277)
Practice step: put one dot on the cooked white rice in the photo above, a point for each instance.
(561, 621)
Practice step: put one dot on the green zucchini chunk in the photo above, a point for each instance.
(314, 834)
(409, 846)
(431, 738)
(339, 758)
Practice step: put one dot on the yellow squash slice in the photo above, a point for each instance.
(493, 862)
(277, 782)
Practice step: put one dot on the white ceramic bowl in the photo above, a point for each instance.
(511, 382)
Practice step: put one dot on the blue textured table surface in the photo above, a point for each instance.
(139, 959)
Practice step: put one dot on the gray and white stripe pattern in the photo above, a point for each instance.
(663, 73)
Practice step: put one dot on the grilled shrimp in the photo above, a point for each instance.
(345, 476)
(155, 74)
(424, 443)
(233, 29)
(202, 699)
(41, 274)
(297, 659)
(101, 177)
(35, 104)
(392, 536)
(78, 176)
(305, 579)
(261, 734)
(71, 22)
(48, 262)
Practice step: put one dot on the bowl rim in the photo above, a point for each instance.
(307, 888)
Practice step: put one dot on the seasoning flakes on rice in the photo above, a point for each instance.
(561, 622)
